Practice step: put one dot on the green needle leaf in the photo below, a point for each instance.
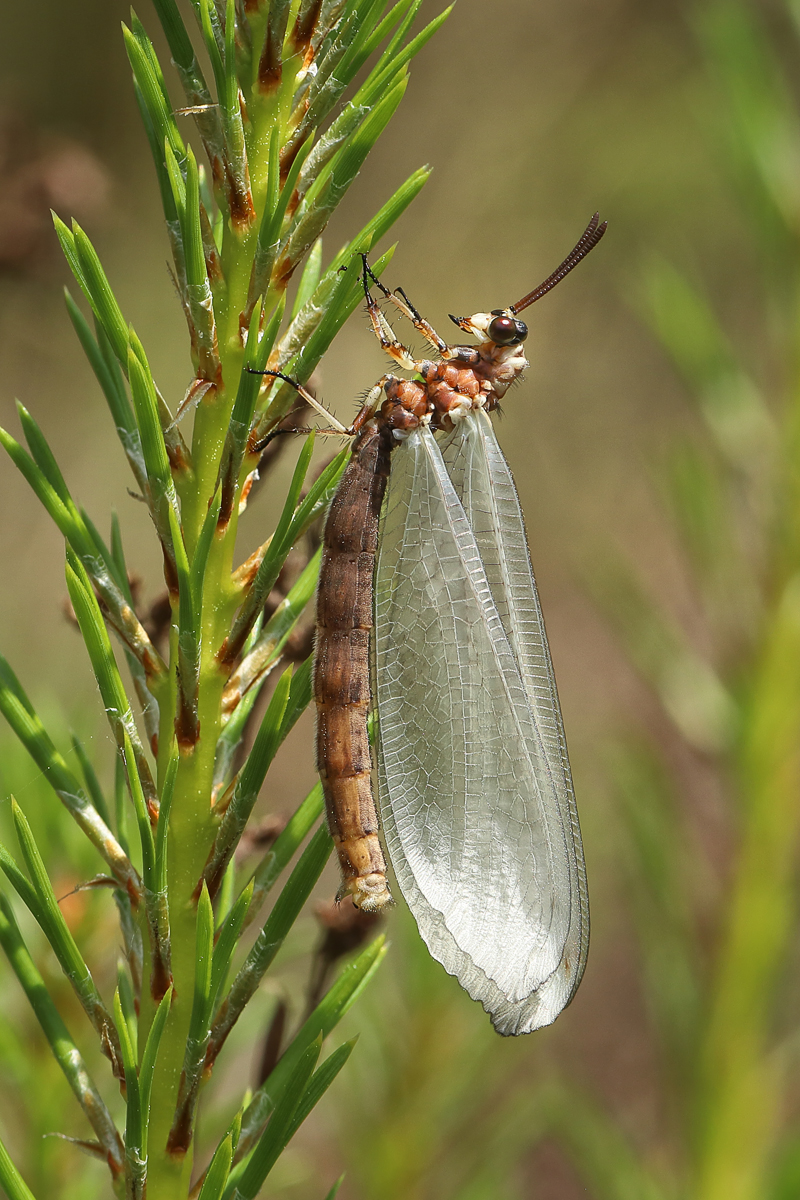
(285, 847)
(150, 83)
(112, 385)
(271, 938)
(149, 1058)
(11, 1181)
(197, 1039)
(278, 1132)
(118, 709)
(330, 1010)
(64, 1050)
(43, 455)
(162, 826)
(320, 1081)
(309, 279)
(286, 534)
(250, 382)
(47, 912)
(227, 941)
(330, 186)
(134, 1121)
(99, 294)
(248, 785)
(218, 1171)
(192, 235)
(21, 716)
(147, 417)
(267, 646)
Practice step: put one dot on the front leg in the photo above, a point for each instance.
(381, 327)
(401, 301)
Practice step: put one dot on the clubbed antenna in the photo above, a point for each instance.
(589, 239)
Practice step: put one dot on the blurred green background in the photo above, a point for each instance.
(653, 443)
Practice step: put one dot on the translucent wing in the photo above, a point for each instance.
(471, 808)
(483, 482)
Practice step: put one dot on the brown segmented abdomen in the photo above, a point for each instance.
(341, 667)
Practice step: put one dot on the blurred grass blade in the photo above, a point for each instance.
(603, 1156)
(688, 687)
(738, 1076)
(729, 401)
(659, 861)
(762, 120)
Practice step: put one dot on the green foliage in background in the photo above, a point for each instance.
(714, 900)
(294, 95)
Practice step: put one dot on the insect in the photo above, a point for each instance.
(427, 566)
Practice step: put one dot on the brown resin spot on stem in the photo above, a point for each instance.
(270, 66)
(180, 1136)
(170, 575)
(187, 725)
(240, 203)
(160, 979)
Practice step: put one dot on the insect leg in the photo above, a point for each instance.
(381, 327)
(336, 426)
(368, 408)
(401, 301)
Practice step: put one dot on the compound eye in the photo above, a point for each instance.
(503, 331)
(522, 330)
